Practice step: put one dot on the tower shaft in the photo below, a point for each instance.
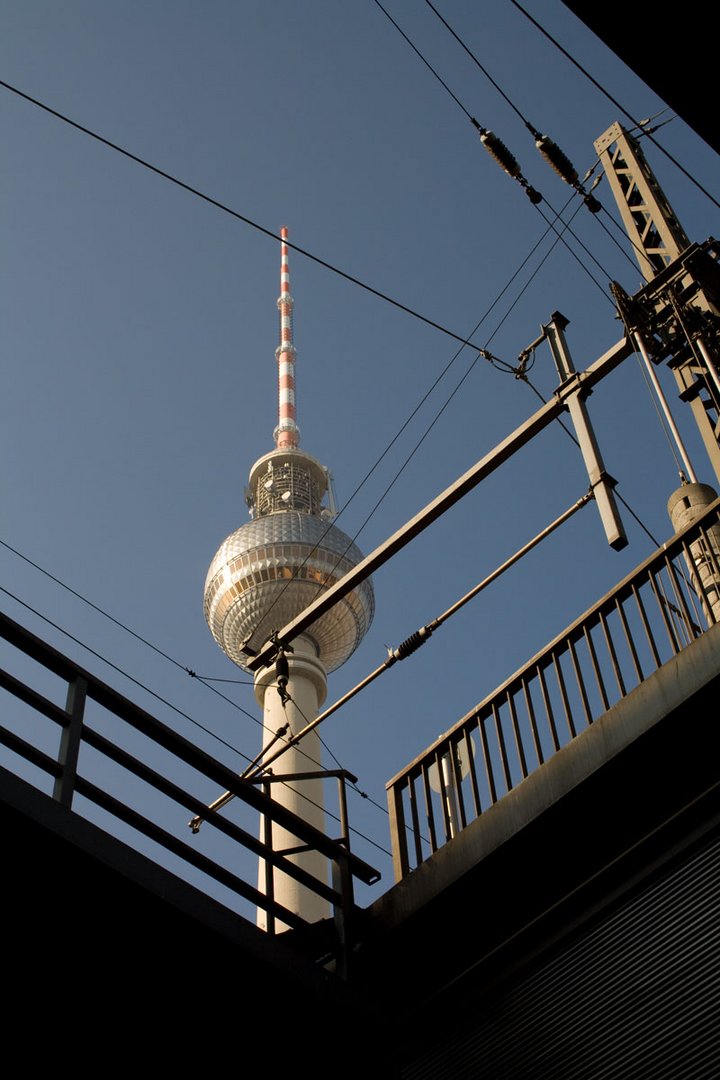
(307, 689)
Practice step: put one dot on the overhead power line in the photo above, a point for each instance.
(228, 210)
(121, 671)
(549, 150)
(614, 101)
(508, 163)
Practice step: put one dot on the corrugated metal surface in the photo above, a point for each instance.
(635, 994)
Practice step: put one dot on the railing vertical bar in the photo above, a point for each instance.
(269, 874)
(531, 719)
(548, 708)
(516, 732)
(445, 793)
(417, 836)
(613, 655)
(501, 747)
(563, 694)
(596, 669)
(70, 739)
(429, 815)
(629, 639)
(473, 774)
(662, 605)
(646, 624)
(487, 759)
(398, 832)
(342, 882)
(580, 682)
(457, 774)
(691, 627)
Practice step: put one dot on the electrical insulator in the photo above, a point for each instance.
(559, 161)
(498, 150)
(282, 673)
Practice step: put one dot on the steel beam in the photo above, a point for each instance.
(435, 509)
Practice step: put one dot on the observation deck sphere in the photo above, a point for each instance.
(271, 569)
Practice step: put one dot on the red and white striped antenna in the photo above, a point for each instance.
(287, 433)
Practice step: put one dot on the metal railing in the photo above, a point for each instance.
(86, 766)
(651, 616)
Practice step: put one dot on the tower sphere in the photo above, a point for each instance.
(272, 568)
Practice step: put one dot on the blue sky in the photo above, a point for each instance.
(139, 328)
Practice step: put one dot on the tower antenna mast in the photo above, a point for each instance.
(287, 433)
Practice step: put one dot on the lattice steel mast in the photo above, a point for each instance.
(678, 312)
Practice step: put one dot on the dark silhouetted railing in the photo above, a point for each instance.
(106, 754)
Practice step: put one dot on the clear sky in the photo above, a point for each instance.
(139, 327)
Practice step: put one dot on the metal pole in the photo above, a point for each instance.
(664, 405)
(602, 485)
(709, 362)
(70, 740)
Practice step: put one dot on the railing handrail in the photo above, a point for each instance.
(69, 719)
(595, 662)
(670, 548)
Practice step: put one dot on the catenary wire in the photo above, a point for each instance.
(536, 134)
(615, 240)
(533, 275)
(452, 394)
(228, 210)
(353, 785)
(484, 70)
(95, 607)
(618, 496)
(122, 672)
(614, 101)
(423, 58)
(160, 652)
(537, 207)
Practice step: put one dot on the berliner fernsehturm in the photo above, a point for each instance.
(265, 574)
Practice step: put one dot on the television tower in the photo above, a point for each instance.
(261, 578)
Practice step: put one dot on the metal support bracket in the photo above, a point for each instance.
(573, 394)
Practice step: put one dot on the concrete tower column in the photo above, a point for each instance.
(307, 689)
(685, 506)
